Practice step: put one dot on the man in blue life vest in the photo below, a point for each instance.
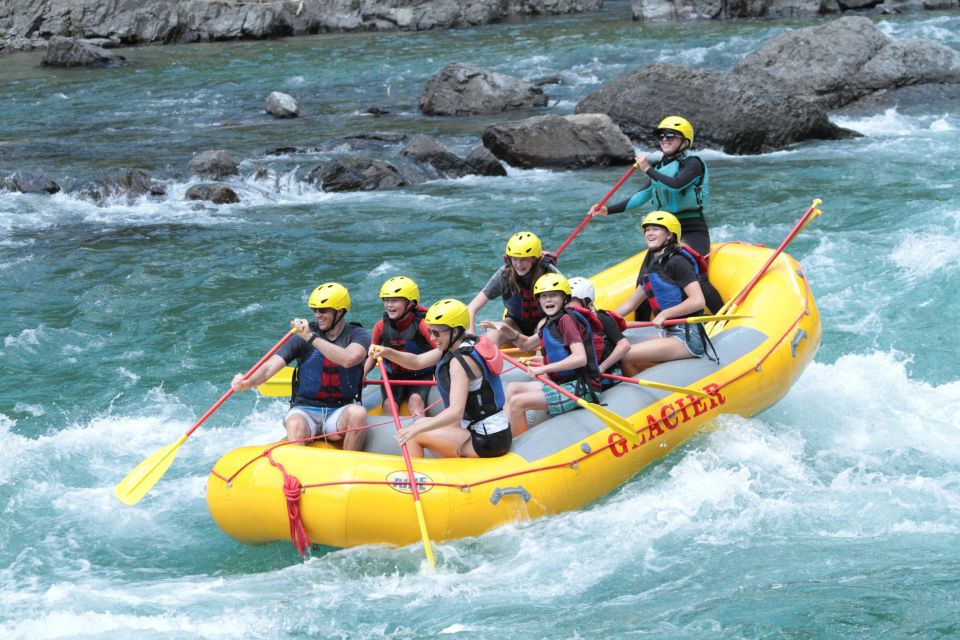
(328, 380)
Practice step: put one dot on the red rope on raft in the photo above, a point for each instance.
(292, 490)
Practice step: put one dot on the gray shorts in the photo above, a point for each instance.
(689, 335)
(320, 419)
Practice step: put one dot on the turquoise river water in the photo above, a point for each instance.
(834, 514)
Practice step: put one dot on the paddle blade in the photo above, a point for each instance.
(139, 481)
(670, 387)
(617, 423)
(427, 547)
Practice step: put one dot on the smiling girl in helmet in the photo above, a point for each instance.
(524, 263)
(403, 328)
(669, 279)
(468, 382)
(679, 183)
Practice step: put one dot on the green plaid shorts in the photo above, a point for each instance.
(557, 403)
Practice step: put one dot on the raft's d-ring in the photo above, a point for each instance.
(800, 335)
(518, 491)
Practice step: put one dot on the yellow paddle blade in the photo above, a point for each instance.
(428, 549)
(279, 385)
(139, 481)
(616, 422)
(670, 387)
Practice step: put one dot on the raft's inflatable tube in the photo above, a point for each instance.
(564, 463)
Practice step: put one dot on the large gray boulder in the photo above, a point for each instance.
(214, 164)
(480, 161)
(424, 149)
(132, 183)
(215, 193)
(738, 113)
(70, 52)
(584, 140)
(465, 89)
(356, 174)
(843, 60)
(26, 182)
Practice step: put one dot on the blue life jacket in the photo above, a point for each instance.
(553, 349)
(662, 291)
(482, 403)
(324, 382)
(684, 203)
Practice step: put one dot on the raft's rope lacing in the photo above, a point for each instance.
(616, 440)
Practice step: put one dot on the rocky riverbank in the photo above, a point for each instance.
(30, 24)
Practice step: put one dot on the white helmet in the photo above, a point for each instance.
(583, 289)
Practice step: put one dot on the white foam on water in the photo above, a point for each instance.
(893, 124)
(937, 243)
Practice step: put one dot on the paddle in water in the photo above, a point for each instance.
(411, 478)
(141, 479)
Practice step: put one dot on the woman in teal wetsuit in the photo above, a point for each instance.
(679, 183)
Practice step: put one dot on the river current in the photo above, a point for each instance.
(833, 514)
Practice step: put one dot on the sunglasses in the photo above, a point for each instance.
(668, 135)
(435, 333)
(319, 310)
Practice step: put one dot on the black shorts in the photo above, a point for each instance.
(492, 445)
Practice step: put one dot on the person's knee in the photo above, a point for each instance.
(297, 428)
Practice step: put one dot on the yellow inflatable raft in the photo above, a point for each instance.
(343, 499)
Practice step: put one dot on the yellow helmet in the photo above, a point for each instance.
(551, 282)
(524, 244)
(448, 312)
(330, 295)
(663, 219)
(678, 124)
(400, 287)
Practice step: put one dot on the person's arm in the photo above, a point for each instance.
(691, 170)
(511, 334)
(570, 333)
(631, 303)
(620, 344)
(411, 361)
(349, 356)
(576, 359)
(375, 338)
(619, 350)
(261, 375)
(474, 308)
(451, 415)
